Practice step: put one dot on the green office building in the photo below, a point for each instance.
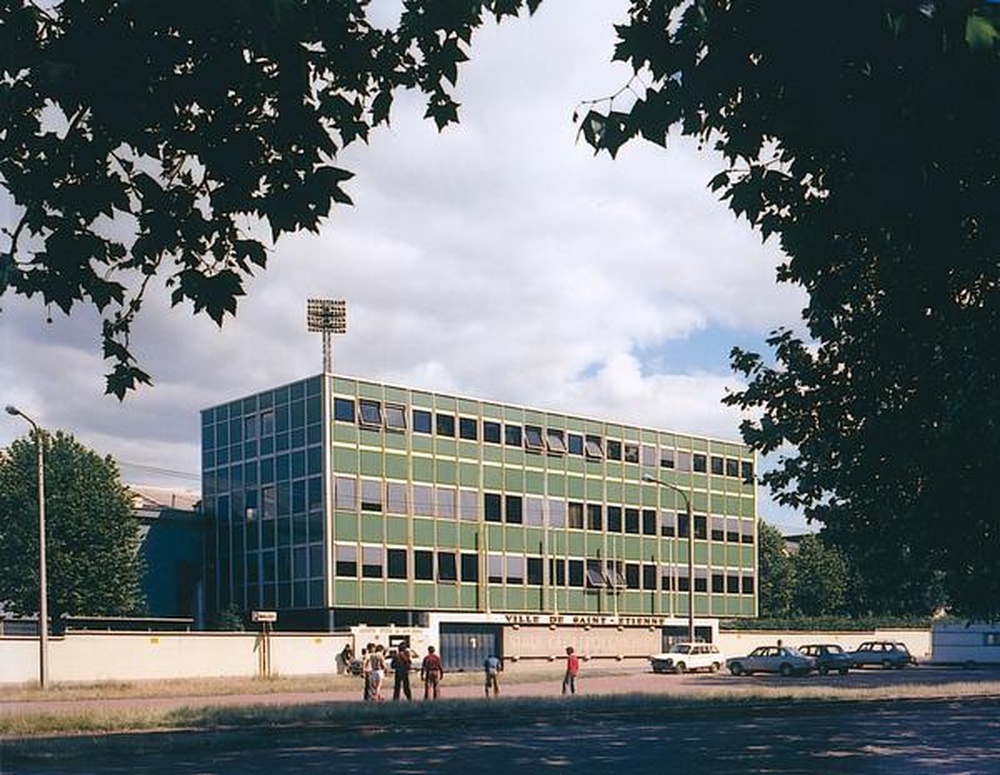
(338, 500)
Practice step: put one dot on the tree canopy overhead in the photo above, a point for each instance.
(142, 140)
(865, 134)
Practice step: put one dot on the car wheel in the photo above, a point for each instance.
(715, 667)
(823, 670)
(681, 667)
(785, 670)
(843, 671)
(736, 668)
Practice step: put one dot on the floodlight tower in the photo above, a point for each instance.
(328, 317)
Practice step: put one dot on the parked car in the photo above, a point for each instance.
(772, 659)
(829, 657)
(883, 653)
(681, 657)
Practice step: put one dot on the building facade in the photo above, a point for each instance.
(337, 501)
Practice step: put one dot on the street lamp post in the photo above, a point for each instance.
(690, 554)
(43, 598)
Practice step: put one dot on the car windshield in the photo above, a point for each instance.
(680, 648)
(835, 649)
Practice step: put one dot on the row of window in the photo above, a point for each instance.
(376, 562)
(449, 503)
(375, 415)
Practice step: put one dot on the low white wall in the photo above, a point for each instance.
(140, 656)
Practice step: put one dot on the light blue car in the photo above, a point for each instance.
(783, 660)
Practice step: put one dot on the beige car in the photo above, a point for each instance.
(682, 657)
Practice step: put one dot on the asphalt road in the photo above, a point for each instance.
(941, 735)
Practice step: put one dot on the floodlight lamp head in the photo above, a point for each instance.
(11, 409)
(326, 315)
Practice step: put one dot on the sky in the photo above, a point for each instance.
(499, 260)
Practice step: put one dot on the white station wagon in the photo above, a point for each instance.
(682, 657)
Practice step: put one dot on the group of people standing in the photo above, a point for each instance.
(374, 663)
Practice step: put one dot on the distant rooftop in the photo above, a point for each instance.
(152, 497)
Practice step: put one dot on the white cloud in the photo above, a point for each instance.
(498, 259)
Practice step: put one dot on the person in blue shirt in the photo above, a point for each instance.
(492, 666)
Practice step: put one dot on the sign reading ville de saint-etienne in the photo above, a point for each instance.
(591, 620)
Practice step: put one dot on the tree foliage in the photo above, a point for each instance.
(144, 140)
(865, 134)
(775, 574)
(92, 538)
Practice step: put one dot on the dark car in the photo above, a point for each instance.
(829, 657)
(883, 653)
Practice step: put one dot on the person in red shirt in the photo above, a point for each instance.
(431, 672)
(572, 668)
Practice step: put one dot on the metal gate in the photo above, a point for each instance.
(466, 646)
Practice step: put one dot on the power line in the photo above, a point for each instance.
(170, 472)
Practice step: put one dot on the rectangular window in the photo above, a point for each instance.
(700, 583)
(718, 465)
(371, 495)
(668, 524)
(574, 443)
(631, 453)
(446, 502)
(447, 567)
(468, 504)
(614, 450)
(423, 565)
(594, 447)
(733, 585)
(632, 521)
(614, 519)
(595, 575)
(492, 507)
(421, 421)
(371, 562)
(370, 413)
(494, 568)
(468, 428)
(250, 428)
(700, 463)
(557, 512)
(632, 575)
(576, 515)
(397, 563)
(666, 578)
(746, 583)
(269, 502)
(445, 425)
(346, 564)
(512, 435)
(732, 530)
(345, 490)
(747, 471)
(649, 577)
(423, 500)
(718, 583)
(649, 457)
(534, 514)
(700, 527)
(576, 573)
(595, 517)
(514, 510)
(396, 498)
(491, 432)
(683, 583)
(718, 528)
(555, 441)
(649, 522)
(515, 569)
(395, 417)
(267, 421)
(666, 458)
(533, 438)
(535, 571)
(683, 461)
(470, 567)
(732, 467)
(746, 531)
(557, 571)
